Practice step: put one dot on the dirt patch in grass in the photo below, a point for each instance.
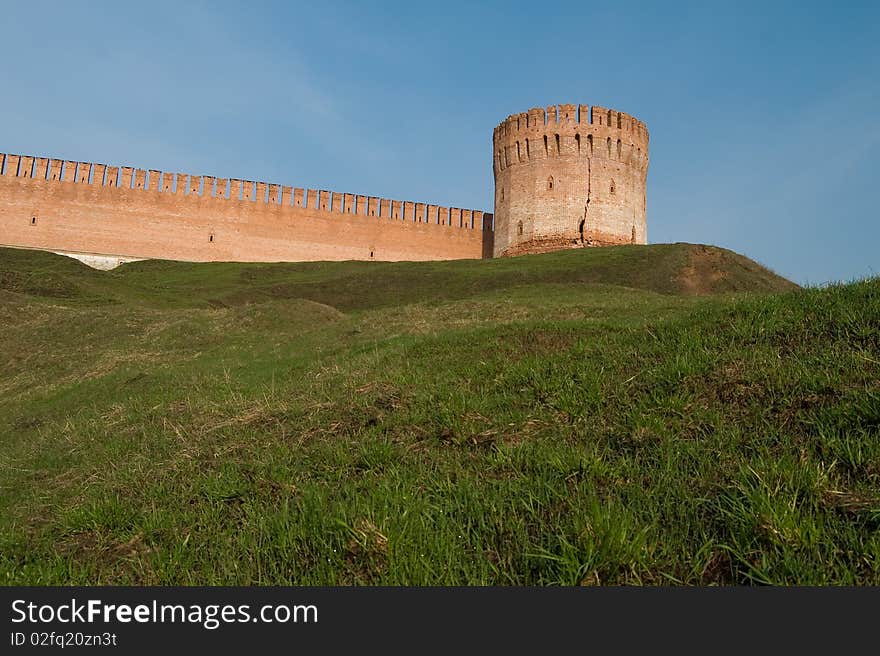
(712, 270)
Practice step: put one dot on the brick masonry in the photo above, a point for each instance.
(93, 208)
(568, 176)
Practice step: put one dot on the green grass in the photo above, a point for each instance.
(576, 417)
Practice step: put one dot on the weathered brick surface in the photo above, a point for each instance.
(570, 176)
(107, 210)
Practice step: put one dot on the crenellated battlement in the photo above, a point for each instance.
(579, 130)
(196, 188)
(566, 176)
(539, 118)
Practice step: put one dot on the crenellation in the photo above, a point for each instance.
(98, 173)
(180, 183)
(568, 114)
(612, 121)
(373, 206)
(299, 197)
(262, 189)
(195, 185)
(140, 179)
(234, 189)
(111, 178)
(26, 166)
(467, 219)
(247, 190)
(584, 114)
(274, 194)
(348, 199)
(395, 209)
(125, 177)
(286, 196)
(478, 220)
(42, 169)
(55, 166)
(84, 172)
(69, 173)
(536, 119)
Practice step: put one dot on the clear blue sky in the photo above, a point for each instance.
(763, 116)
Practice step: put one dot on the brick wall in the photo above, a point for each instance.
(92, 208)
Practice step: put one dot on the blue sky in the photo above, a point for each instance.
(763, 116)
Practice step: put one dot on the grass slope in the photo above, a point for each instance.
(606, 416)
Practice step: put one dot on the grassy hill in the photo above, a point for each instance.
(660, 414)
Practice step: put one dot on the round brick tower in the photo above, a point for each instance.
(569, 178)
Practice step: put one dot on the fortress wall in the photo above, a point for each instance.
(92, 208)
(548, 162)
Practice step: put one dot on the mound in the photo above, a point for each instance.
(39, 273)
(674, 269)
(596, 416)
(713, 270)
